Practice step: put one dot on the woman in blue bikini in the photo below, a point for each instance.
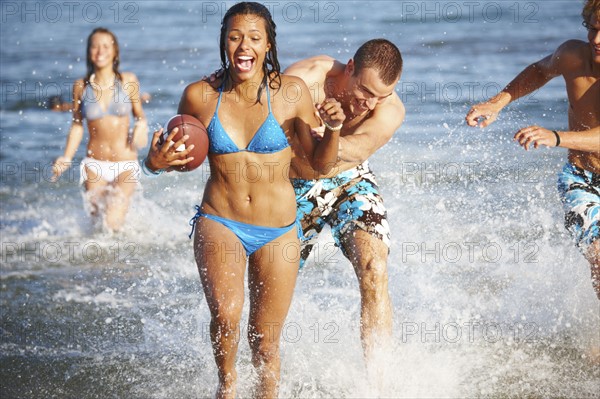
(106, 97)
(256, 119)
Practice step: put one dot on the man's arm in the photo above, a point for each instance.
(530, 79)
(373, 133)
(586, 140)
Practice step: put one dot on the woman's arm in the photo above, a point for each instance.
(140, 127)
(75, 135)
(322, 155)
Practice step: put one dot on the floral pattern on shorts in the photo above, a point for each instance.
(579, 191)
(345, 202)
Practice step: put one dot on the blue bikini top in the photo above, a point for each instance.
(269, 137)
(91, 106)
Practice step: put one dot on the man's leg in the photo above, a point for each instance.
(593, 256)
(580, 194)
(368, 255)
(308, 213)
(361, 229)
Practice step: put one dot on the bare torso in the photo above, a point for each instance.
(583, 88)
(320, 79)
(109, 135)
(246, 186)
(301, 167)
(109, 139)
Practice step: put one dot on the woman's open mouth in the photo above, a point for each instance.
(244, 63)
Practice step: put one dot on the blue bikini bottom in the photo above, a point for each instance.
(252, 237)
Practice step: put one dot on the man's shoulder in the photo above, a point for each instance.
(570, 53)
(289, 81)
(317, 65)
(384, 120)
(572, 45)
(570, 56)
(391, 109)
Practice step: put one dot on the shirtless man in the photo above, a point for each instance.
(347, 198)
(578, 63)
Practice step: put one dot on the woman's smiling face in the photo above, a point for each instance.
(246, 45)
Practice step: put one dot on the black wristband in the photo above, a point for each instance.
(557, 137)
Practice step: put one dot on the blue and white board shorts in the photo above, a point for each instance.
(348, 201)
(579, 191)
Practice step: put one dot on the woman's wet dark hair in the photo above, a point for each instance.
(271, 68)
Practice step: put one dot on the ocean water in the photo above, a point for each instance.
(490, 297)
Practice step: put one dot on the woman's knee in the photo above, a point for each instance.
(227, 316)
(265, 346)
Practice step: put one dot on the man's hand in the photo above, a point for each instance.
(537, 136)
(483, 114)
